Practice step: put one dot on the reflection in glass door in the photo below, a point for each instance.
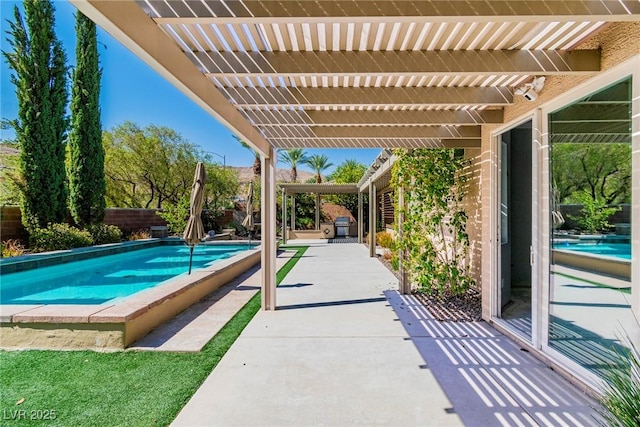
(590, 294)
(515, 284)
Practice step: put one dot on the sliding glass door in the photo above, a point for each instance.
(590, 201)
(516, 226)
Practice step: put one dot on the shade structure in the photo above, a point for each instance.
(194, 231)
(248, 220)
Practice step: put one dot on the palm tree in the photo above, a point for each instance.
(348, 171)
(293, 157)
(257, 165)
(319, 163)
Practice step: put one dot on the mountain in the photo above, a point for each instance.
(245, 174)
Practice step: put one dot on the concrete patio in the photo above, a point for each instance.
(345, 348)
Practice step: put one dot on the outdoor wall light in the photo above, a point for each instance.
(530, 90)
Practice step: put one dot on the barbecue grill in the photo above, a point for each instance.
(342, 226)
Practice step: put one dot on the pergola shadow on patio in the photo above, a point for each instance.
(345, 347)
(489, 379)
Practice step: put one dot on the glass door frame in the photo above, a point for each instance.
(496, 231)
(629, 68)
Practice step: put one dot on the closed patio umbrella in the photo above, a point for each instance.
(194, 231)
(248, 220)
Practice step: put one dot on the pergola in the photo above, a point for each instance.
(355, 73)
(291, 189)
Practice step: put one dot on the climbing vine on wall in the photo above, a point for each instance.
(434, 236)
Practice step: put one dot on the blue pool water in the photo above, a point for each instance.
(102, 279)
(617, 250)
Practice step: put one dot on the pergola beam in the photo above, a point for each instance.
(590, 128)
(380, 118)
(332, 11)
(290, 188)
(585, 112)
(382, 132)
(399, 63)
(368, 96)
(379, 143)
(371, 96)
(461, 143)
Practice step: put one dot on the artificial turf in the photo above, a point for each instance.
(126, 388)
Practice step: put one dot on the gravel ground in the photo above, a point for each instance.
(448, 308)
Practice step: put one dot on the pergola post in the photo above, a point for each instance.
(405, 285)
(284, 216)
(360, 217)
(268, 220)
(317, 211)
(372, 219)
(293, 211)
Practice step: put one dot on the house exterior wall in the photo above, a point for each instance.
(472, 205)
(618, 43)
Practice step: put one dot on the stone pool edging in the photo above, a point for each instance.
(46, 259)
(611, 266)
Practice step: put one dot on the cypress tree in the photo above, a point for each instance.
(86, 169)
(39, 69)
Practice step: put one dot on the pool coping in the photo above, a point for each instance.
(122, 322)
(45, 259)
(595, 263)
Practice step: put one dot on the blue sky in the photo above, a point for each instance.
(133, 91)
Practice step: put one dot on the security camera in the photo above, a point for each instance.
(530, 90)
(530, 95)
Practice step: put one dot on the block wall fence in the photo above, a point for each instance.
(128, 220)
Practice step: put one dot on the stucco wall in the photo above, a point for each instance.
(472, 205)
(618, 42)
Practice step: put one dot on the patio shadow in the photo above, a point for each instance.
(486, 376)
(330, 303)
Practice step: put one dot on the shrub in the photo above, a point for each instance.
(58, 236)
(12, 247)
(434, 238)
(595, 214)
(209, 220)
(305, 223)
(622, 389)
(103, 234)
(395, 261)
(240, 230)
(384, 239)
(140, 235)
(176, 215)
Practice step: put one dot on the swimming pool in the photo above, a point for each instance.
(616, 250)
(108, 278)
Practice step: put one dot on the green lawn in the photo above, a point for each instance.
(128, 388)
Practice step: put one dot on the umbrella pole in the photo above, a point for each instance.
(190, 257)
